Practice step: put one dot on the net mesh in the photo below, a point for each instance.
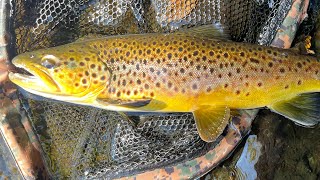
(87, 142)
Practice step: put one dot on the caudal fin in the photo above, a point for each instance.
(303, 109)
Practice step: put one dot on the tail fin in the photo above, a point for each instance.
(303, 109)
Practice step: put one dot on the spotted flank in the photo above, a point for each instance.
(188, 71)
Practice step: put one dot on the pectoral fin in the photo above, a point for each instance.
(303, 109)
(211, 121)
(132, 103)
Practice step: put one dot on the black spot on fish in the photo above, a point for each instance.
(299, 82)
(209, 89)
(146, 86)
(164, 70)
(244, 64)
(211, 70)
(254, 60)
(198, 67)
(204, 58)
(194, 86)
(299, 65)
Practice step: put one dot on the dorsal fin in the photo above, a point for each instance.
(211, 31)
(89, 37)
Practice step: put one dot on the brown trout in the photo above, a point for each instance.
(179, 72)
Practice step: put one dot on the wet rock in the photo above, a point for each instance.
(289, 151)
(313, 162)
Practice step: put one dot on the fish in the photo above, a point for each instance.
(193, 70)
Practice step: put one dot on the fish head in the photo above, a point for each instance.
(66, 71)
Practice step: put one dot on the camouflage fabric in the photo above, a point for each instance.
(317, 35)
(24, 145)
(289, 27)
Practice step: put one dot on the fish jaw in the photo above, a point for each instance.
(41, 83)
(39, 80)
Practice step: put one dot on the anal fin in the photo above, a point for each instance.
(303, 109)
(211, 121)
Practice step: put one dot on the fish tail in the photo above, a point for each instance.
(304, 109)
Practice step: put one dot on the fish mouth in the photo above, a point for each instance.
(36, 78)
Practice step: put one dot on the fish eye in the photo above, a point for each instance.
(49, 61)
